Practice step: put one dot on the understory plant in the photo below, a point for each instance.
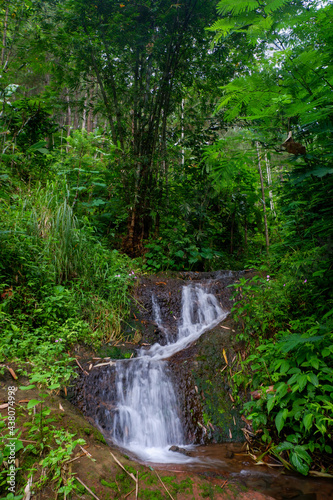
(285, 323)
(59, 286)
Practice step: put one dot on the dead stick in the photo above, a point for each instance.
(85, 452)
(137, 485)
(128, 494)
(225, 482)
(120, 465)
(168, 492)
(76, 458)
(84, 371)
(88, 489)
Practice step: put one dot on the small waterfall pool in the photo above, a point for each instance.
(146, 419)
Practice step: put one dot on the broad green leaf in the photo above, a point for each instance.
(32, 403)
(280, 419)
(303, 453)
(307, 421)
(302, 381)
(270, 403)
(299, 465)
(284, 446)
(313, 379)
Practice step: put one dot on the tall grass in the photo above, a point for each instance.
(44, 242)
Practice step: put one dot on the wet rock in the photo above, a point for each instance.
(180, 450)
(174, 448)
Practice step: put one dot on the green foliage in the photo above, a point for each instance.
(59, 285)
(287, 325)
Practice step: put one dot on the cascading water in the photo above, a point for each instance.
(146, 420)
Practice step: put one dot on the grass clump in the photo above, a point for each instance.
(59, 285)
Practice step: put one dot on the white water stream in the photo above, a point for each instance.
(147, 421)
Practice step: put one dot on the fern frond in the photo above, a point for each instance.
(236, 7)
(274, 5)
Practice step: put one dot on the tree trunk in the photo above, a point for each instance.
(232, 233)
(76, 114)
(269, 182)
(69, 120)
(84, 116)
(263, 196)
(90, 111)
(4, 38)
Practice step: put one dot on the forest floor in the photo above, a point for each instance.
(98, 467)
(94, 465)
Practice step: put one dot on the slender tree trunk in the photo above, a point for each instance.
(69, 120)
(90, 111)
(76, 114)
(182, 135)
(263, 196)
(84, 116)
(4, 38)
(269, 182)
(232, 233)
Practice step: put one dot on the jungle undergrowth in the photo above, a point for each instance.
(285, 319)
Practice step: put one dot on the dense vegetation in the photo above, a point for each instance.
(139, 137)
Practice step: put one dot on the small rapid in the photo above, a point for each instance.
(147, 417)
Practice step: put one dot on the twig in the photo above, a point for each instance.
(88, 489)
(110, 363)
(78, 363)
(225, 482)
(27, 489)
(120, 465)
(85, 452)
(137, 485)
(76, 458)
(168, 492)
(128, 494)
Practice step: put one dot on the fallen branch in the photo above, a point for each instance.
(76, 458)
(110, 363)
(166, 489)
(128, 494)
(13, 374)
(86, 487)
(27, 489)
(78, 363)
(85, 452)
(121, 465)
(225, 482)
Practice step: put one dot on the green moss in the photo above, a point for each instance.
(151, 495)
(98, 436)
(79, 488)
(87, 431)
(151, 479)
(125, 482)
(112, 485)
(207, 491)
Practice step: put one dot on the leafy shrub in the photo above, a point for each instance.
(286, 327)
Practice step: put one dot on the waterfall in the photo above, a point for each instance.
(146, 420)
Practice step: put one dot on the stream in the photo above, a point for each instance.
(137, 402)
(147, 422)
